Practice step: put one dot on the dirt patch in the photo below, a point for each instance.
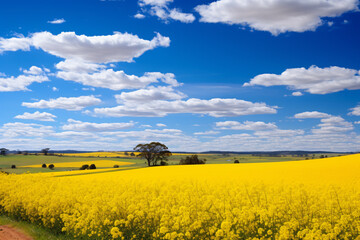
(10, 233)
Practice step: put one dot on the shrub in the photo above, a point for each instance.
(92, 166)
(236, 161)
(13, 166)
(51, 166)
(84, 167)
(116, 166)
(43, 166)
(163, 163)
(193, 159)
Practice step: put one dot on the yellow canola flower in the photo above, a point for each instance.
(314, 199)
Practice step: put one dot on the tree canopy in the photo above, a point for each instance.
(45, 151)
(3, 151)
(153, 152)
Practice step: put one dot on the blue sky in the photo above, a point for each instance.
(206, 75)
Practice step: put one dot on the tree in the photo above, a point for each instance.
(3, 151)
(153, 152)
(45, 151)
(193, 159)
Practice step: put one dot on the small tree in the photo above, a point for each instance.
(236, 161)
(3, 151)
(45, 151)
(132, 154)
(51, 166)
(153, 152)
(193, 159)
(84, 167)
(43, 166)
(92, 166)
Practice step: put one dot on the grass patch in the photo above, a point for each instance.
(35, 231)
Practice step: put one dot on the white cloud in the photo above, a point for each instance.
(139, 16)
(115, 80)
(74, 125)
(275, 16)
(57, 21)
(276, 133)
(72, 65)
(161, 125)
(176, 14)
(314, 80)
(297, 94)
(55, 89)
(162, 11)
(40, 116)
(357, 122)
(206, 133)
(150, 94)
(70, 104)
(247, 125)
(25, 129)
(215, 107)
(313, 114)
(333, 125)
(355, 111)
(94, 49)
(14, 44)
(160, 3)
(34, 70)
(20, 83)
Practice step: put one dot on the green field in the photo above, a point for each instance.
(23, 160)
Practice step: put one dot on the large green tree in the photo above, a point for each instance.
(45, 151)
(3, 151)
(153, 152)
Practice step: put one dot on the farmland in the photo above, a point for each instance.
(313, 199)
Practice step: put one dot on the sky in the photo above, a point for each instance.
(226, 75)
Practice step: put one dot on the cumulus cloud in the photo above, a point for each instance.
(72, 65)
(247, 125)
(334, 124)
(314, 80)
(40, 116)
(162, 11)
(355, 111)
(160, 125)
(70, 103)
(20, 83)
(139, 16)
(275, 16)
(25, 129)
(312, 114)
(276, 133)
(15, 44)
(34, 70)
(206, 133)
(150, 94)
(115, 80)
(119, 47)
(215, 107)
(297, 94)
(57, 21)
(74, 125)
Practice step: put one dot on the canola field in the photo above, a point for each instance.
(312, 199)
(98, 163)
